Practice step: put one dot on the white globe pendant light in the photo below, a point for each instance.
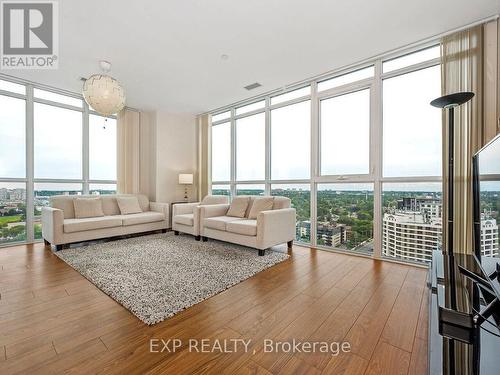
(104, 93)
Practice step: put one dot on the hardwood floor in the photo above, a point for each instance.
(52, 320)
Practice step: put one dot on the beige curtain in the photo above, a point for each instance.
(204, 163)
(465, 57)
(128, 147)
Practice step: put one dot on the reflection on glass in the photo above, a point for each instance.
(345, 216)
(12, 137)
(412, 128)
(291, 141)
(221, 152)
(345, 134)
(300, 195)
(411, 220)
(12, 212)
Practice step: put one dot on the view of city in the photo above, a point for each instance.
(411, 220)
(13, 210)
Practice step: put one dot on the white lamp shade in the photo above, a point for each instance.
(185, 179)
(104, 94)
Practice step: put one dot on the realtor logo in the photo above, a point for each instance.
(29, 35)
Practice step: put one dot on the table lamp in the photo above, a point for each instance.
(185, 179)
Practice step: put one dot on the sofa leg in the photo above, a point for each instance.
(262, 252)
(47, 243)
(164, 230)
(176, 232)
(204, 239)
(59, 247)
(289, 244)
(197, 238)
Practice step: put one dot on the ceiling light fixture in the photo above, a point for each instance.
(104, 93)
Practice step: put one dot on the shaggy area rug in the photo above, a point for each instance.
(157, 276)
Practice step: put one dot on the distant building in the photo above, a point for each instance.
(332, 235)
(432, 206)
(489, 237)
(410, 235)
(414, 230)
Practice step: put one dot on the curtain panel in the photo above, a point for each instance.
(469, 63)
(128, 148)
(204, 152)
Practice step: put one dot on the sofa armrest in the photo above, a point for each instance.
(53, 225)
(164, 208)
(184, 208)
(275, 227)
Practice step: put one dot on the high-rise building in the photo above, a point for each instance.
(489, 237)
(410, 235)
(414, 230)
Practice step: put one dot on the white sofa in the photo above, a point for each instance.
(61, 228)
(185, 216)
(271, 227)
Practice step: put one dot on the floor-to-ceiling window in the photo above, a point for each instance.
(358, 153)
(50, 143)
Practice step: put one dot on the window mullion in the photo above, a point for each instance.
(85, 148)
(267, 146)
(376, 155)
(30, 194)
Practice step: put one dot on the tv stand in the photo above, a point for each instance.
(460, 298)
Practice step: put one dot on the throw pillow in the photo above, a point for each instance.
(260, 204)
(128, 205)
(238, 207)
(87, 207)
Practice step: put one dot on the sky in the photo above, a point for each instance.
(57, 142)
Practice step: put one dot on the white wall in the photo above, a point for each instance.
(169, 147)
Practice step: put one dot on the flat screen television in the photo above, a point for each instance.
(486, 190)
(486, 211)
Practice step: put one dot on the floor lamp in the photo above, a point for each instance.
(449, 102)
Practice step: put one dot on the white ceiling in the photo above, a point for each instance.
(167, 53)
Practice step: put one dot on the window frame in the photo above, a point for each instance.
(29, 179)
(375, 176)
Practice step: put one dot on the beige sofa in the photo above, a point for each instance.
(271, 227)
(60, 227)
(185, 216)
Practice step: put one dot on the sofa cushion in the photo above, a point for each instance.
(64, 203)
(238, 207)
(87, 207)
(218, 222)
(260, 204)
(142, 218)
(91, 223)
(185, 219)
(128, 205)
(281, 202)
(246, 227)
(214, 199)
